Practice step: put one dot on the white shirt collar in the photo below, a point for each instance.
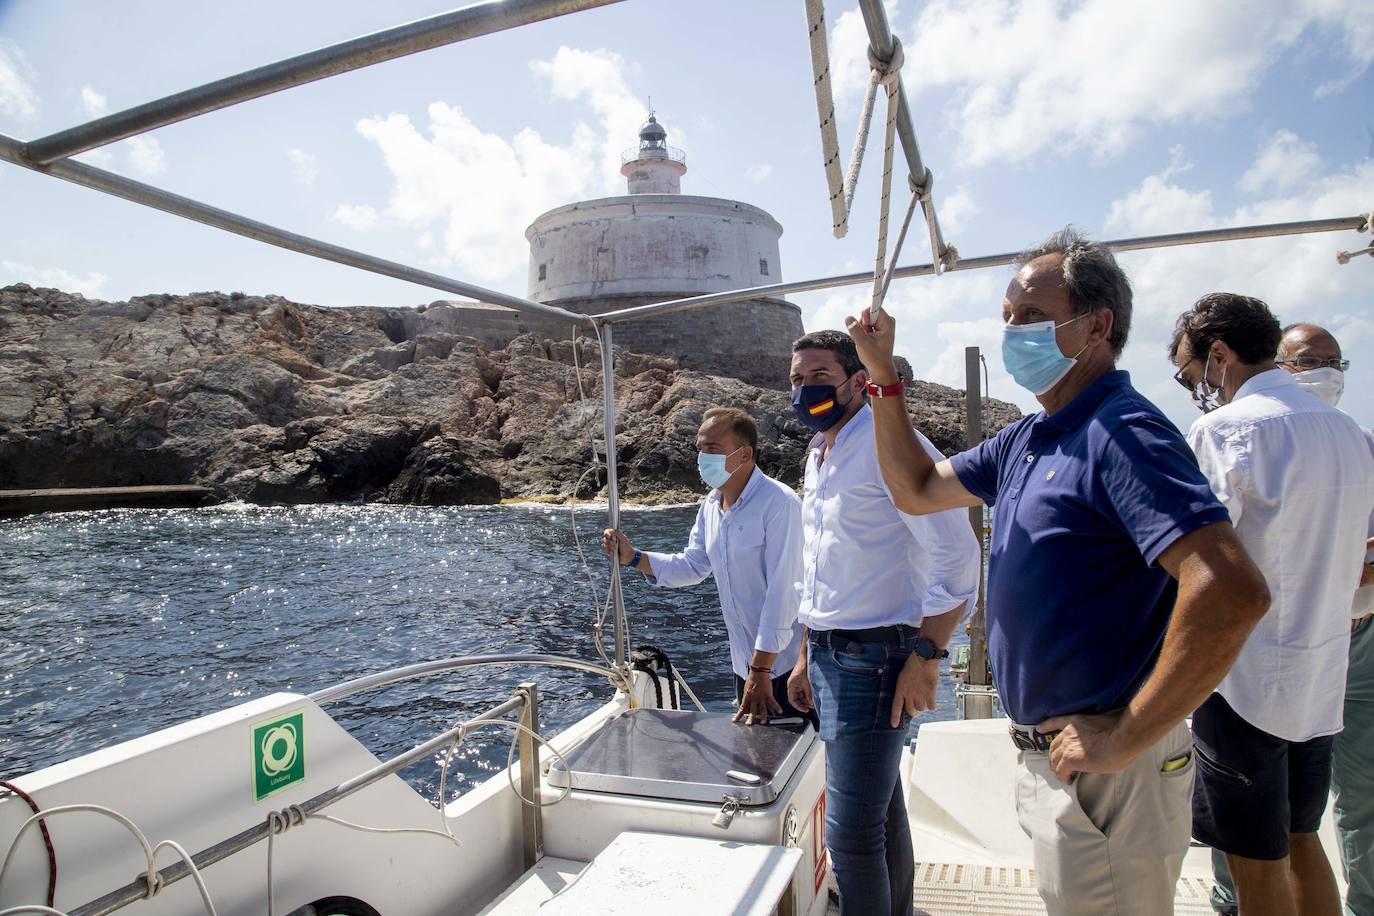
(1267, 380)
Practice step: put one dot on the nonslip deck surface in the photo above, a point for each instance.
(949, 889)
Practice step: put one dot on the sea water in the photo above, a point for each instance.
(115, 624)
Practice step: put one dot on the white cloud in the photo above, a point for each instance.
(760, 172)
(1284, 162)
(55, 277)
(357, 216)
(17, 97)
(955, 210)
(305, 166)
(92, 102)
(1025, 77)
(849, 69)
(1298, 276)
(146, 155)
(477, 191)
(597, 77)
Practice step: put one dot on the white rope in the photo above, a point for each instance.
(31, 908)
(825, 110)
(149, 876)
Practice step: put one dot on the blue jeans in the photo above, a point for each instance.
(866, 826)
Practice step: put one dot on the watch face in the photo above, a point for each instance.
(926, 649)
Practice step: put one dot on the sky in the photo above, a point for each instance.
(1121, 119)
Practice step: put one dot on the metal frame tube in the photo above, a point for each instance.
(612, 487)
(138, 888)
(364, 51)
(1267, 230)
(976, 707)
(407, 672)
(531, 815)
(881, 41)
(149, 196)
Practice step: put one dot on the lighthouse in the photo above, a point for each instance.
(655, 243)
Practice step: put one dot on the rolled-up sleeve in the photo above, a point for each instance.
(782, 551)
(950, 543)
(676, 570)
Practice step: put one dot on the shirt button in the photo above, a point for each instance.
(1029, 459)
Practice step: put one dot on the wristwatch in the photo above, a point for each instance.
(927, 649)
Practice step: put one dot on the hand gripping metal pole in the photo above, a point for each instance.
(388, 44)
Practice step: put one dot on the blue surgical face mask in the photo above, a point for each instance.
(712, 469)
(818, 406)
(1032, 356)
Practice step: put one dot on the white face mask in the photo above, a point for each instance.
(1326, 383)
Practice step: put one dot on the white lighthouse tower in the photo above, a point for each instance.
(654, 167)
(655, 243)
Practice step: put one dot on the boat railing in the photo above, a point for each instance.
(525, 700)
(438, 666)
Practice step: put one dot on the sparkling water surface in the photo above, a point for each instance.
(115, 624)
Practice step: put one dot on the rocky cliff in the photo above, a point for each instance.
(269, 400)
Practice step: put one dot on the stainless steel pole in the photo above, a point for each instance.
(976, 705)
(532, 815)
(388, 44)
(881, 41)
(612, 490)
(1268, 230)
(149, 196)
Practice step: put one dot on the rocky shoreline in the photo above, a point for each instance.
(271, 401)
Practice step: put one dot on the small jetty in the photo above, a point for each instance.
(74, 499)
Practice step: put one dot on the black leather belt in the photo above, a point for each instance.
(1028, 739)
(894, 635)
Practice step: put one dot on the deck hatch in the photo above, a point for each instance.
(685, 756)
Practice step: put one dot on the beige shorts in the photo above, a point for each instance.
(1110, 843)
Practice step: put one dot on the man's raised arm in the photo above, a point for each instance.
(919, 485)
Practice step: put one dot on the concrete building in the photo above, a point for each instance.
(656, 243)
(650, 245)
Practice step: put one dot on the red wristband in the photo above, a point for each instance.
(886, 391)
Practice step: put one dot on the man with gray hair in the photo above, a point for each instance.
(1117, 594)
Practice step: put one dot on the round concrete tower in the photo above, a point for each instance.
(656, 243)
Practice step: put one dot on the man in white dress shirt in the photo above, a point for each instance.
(1297, 477)
(1314, 357)
(748, 535)
(881, 595)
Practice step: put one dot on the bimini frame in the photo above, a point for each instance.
(52, 154)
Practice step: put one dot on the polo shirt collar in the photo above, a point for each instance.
(1268, 380)
(1073, 414)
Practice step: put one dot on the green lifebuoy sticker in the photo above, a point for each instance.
(278, 754)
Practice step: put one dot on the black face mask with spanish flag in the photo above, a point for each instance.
(817, 406)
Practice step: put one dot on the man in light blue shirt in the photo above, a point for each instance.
(748, 534)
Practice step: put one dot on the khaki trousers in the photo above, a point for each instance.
(1109, 844)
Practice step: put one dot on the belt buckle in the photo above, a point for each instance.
(1031, 740)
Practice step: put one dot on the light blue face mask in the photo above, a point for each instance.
(712, 469)
(1032, 356)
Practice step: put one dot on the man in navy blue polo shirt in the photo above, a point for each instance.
(1118, 593)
